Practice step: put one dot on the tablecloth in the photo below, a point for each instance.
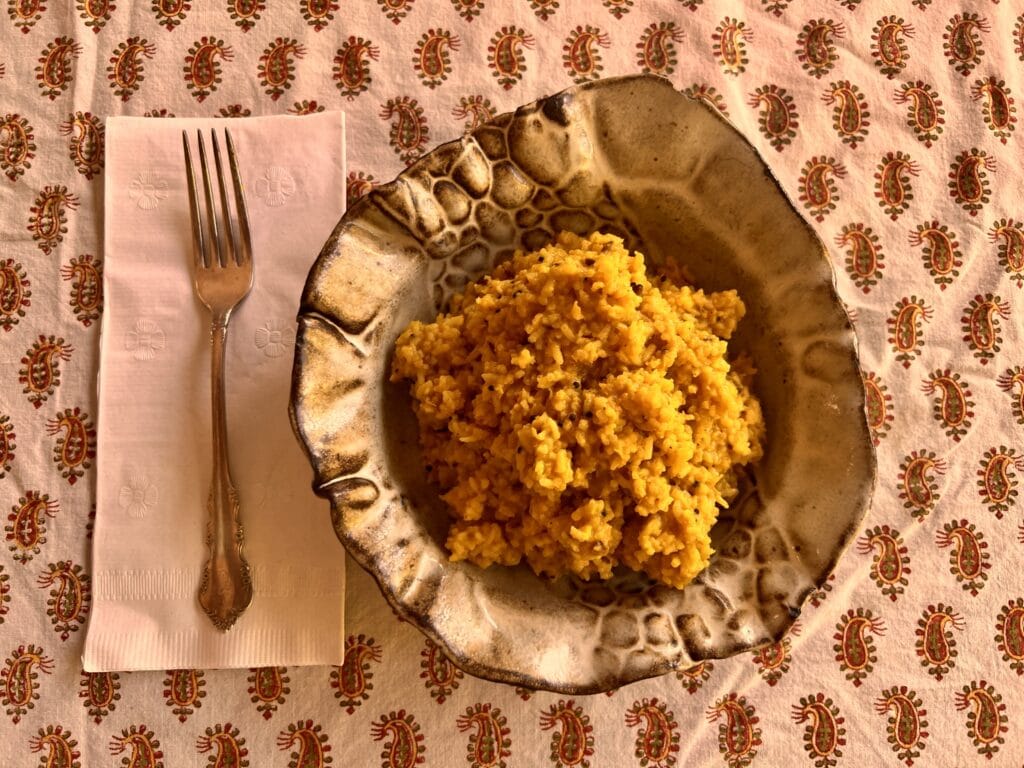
(891, 123)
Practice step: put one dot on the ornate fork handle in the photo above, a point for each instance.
(226, 588)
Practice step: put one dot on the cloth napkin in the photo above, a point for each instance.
(154, 434)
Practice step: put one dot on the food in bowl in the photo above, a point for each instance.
(580, 412)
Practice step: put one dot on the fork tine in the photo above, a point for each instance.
(245, 249)
(229, 231)
(216, 253)
(198, 244)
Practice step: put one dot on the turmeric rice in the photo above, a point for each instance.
(580, 413)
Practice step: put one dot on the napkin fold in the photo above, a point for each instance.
(154, 435)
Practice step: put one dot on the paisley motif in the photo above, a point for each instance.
(986, 717)
(818, 191)
(892, 182)
(545, 9)
(307, 743)
(203, 66)
(306, 107)
(268, 689)
(40, 371)
(906, 723)
(729, 43)
(409, 130)
(95, 13)
(963, 41)
(878, 405)
(935, 642)
(774, 659)
(183, 691)
(693, 678)
(707, 94)
(816, 49)
(918, 486)
(351, 681)
(170, 13)
(19, 680)
(25, 13)
(953, 406)
(1010, 634)
(440, 676)
(318, 13)
(997, 479)
(245, 13)
(505, 55)
(76, 443)
(940, 251)
(969, 560)
(889, 46)
(277, 68)
(777, 118)
(403, 740)
(140, 747)
(48, 221)
(864, 258)
(849, 112)
(352, 66)
(656, 50)
(489, 742)
(997, 106)
(86, 144)
(580, 55)
(738, 733)
(25, 531)
(1012, 382)
(54, 70)
(7, 445)
(394, 10)
(69, 598)
(968, 180)
(476, 110)
(891, 563)
(60, 748)
(126, 69)
(100, 692)
(85, 275)
(824, 734)
(1008, 234)
(468, 9)
(226, 745)
(855, 646)
(17, 147)
(925, 114)
(980, 323)
(572, 742)
(15, 293)
(432, 58)
(906, 324)
(657, 742)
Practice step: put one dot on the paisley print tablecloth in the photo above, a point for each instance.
(891, 123)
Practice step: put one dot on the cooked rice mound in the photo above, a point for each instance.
(579, 413)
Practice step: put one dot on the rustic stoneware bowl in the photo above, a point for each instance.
(635, 157)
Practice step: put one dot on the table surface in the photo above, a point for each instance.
(891, 123)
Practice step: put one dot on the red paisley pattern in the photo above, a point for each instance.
(852, 103)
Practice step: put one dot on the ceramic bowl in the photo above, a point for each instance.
(634, 157)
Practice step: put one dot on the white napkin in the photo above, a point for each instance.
(154, 443)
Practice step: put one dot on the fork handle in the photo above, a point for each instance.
(226, 588)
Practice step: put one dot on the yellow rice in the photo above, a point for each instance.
(579, 413)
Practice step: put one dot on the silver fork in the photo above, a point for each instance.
(223, 277)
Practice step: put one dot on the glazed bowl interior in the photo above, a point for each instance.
(633, 157)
